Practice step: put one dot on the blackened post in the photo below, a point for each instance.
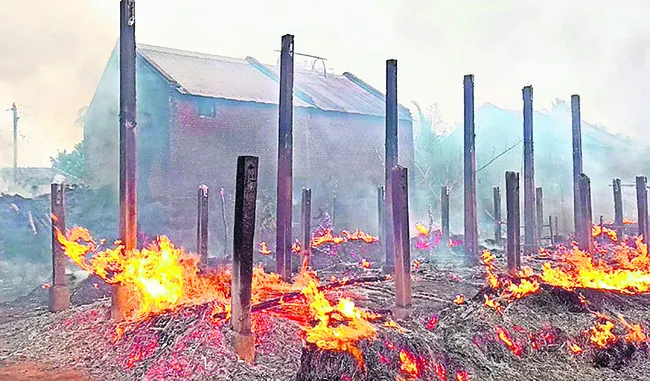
(305, 227)
(618, 208)
(391, 159)
(642, 206)
(444, 215)
(381, 214)
(202, 224)
(512, 221)
(242, 259)
(530, 231)
(402, 241)
(550, 227)
(128, 185)
(539, 213)
(471, 218)
(577, 157)
(285, 161)
(601, 223)
(584, 234)
(496, 197)
(59, 298)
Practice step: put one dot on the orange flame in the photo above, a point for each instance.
(503, 335)
(408, 363)
(422, 230)
(459, 299)
(296, 247)
(359, 235)
(575, 348)
(264, 250)
(365, 264)
(601, 334)
(416, 264)
(492, 304)
(597, 230)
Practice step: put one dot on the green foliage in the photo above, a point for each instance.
(71, 163)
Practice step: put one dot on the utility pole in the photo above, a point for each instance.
(14, 109)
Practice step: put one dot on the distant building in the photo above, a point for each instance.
(198, 112)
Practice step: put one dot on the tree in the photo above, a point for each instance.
(71, 164)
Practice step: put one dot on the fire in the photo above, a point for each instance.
(46, 285)
(365, 264)
(441, 371)
(338, 328)
(296, 247)
(504, 336)
(416, 264)
(461, 375)
(635, 332)
(575, 348)
(423, 230)
(359, 235)
(408, 363)
(432, 323)
(459, 299)
(264, 249)
(492, 304)
(597, 230)
(601, 334)
(525, 287)
(628, 222)
(326, 237)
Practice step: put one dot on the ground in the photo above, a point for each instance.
(445, 338)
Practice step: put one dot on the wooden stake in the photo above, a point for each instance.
(584, 234)
(120, 307)
(305, 227)
(550, 226)
(285, 161)
(530, 231)
(513, 221)
(390, 159)
(642, 206)
(444, 215)
(618, 208)
(381, 214)
(496, 194)
(242, 260)
(577, 157)
(471, 219)
(402, 241)
(202, 224)
(539, 213)
(59, 294)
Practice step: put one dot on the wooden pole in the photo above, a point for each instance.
(391, 159)
(242, 260)
(577, 157)
(618, 208)
(402, 241)
(513, 221)
(381, 214)
(471, 219)
(120, 307)
(496, 195)
(305, 227)
(601, 223)
(642, 206)
(285, 161)
(444, 215)
(59, 294)
(530, 231)
(584, 234)
(539, 213)
(550, 226)
(202, 224)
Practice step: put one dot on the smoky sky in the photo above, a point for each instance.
(55, 51)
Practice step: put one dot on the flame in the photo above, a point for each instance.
(459, 299)
(492, 304)
(296, 247)
(635, 333)
(391, 324)
(461, 375)
(601, 334)
(365, 264)
(503, 335)
(338, 328)
(408, 363)
(597, 230)
(359, 235)
(575, 348)
(416, 264)
(326, 237)
(264, 249)
(423, 230)
(46, 285)
(525, 287)
(628, 222)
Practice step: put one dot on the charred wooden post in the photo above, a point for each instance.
(530, 231)
(59, 298)
(602, 224)
(128, 184)
(444, 215)
(381, 214)
(402, 241)
(576, 134)
(584, 234)
(539, 213)
(618, 207)
(471, 219)
(305, 227)
(202, 224)
(550, 226)
(513, 221)
(285, 161)
(496, 193)
(242, 259)
(642, 206)
(390, 160)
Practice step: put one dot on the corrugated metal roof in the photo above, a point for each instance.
(247, 80)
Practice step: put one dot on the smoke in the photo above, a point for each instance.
(53, 55)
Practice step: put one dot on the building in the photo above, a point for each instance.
(198, 112)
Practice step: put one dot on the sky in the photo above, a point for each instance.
(55, 52)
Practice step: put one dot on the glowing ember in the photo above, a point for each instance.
(46, 285)
(264, 249)
(459, 299)
(432, 323)
(423, 230)
(441, 371)
(461, 375)
(628, 222)
(416, 264)
(575, 348)
(365, 264)
(296, 247)
(601, 335)
(503, 335)
(408, 363)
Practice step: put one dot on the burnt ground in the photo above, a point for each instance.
(79, 344)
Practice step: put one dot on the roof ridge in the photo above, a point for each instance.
(188, 53)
